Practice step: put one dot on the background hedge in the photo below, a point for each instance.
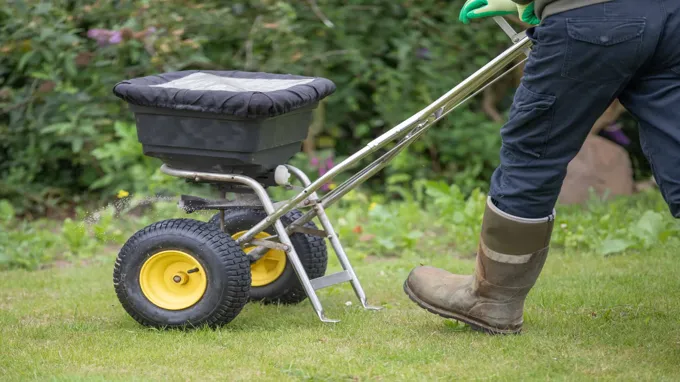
(65, 139)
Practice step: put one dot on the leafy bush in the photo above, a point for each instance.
(59, 134)
(89, 236)
(450, 223)
(617, 225)
(435, 220)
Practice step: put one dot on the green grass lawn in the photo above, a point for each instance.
(589, 317)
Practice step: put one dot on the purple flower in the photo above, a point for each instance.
(116, 38)
(322, 168)
(615, 133)
(105, 37)
(101, 35)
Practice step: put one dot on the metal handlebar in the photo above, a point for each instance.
(408, 130)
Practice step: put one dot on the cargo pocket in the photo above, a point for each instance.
(602, 49)
(526, 133)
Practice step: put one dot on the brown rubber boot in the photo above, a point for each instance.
(510, 257)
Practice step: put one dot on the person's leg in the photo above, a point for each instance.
(581, 61)
(653, 97)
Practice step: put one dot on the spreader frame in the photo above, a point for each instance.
(404, 134)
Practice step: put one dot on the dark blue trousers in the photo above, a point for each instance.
(581, 62)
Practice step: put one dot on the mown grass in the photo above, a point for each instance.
(589, 317)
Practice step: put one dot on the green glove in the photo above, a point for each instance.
(476, 9)
(527, 14)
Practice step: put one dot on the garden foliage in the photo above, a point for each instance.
(64, 137)
(435, 220)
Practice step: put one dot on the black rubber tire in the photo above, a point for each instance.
(226, 266)
(310, 249)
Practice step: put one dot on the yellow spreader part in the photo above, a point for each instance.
(173, 280)
(269, 267)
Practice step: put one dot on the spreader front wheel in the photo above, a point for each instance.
(182, 273)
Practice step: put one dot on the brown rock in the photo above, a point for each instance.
(601, 165)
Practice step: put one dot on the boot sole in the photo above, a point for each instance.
(474, 324)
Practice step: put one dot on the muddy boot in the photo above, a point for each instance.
(510, 257)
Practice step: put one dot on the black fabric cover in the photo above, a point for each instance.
(245, 104)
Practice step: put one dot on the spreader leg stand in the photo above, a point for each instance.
(348, 273)
(299, 269)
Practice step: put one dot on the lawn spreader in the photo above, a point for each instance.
(236, 131)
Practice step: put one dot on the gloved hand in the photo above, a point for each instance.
(527, 14)
(475, 9)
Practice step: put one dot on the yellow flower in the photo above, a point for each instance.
(122, 194)
(372, 206)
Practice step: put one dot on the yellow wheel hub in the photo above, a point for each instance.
(173, 280)
(269, 267)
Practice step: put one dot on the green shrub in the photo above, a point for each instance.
(434, 219)
(440, 218)
(60, 60)
(65, 138)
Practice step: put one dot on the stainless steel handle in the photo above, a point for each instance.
(511, 32)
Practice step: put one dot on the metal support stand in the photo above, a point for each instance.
(348, 274)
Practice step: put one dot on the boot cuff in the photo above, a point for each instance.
(511, 239)
(489, 204)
